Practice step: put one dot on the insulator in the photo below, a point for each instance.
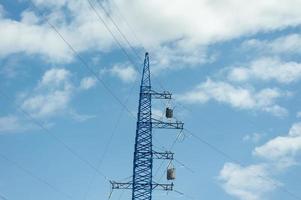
(171, 174)
(169, 113)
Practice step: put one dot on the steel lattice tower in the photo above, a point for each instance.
(143, 157)
(142, 183)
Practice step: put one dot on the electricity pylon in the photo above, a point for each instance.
(142, 184)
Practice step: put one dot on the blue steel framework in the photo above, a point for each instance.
(142, 183)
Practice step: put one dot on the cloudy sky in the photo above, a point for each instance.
(70, 73)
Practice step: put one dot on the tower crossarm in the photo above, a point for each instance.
(166, 186)
(167, 125)
(163, 155)
(129, 185)
(118, 185)
(160, 95)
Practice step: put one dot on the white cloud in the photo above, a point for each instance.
(55, 77)
(10, 68)
(177, 57)
(87, 83)
(32, 37)
(282, 149)
(175, 35)
(254, 137)
(158, 113)
(80, 117)
(9, 124)
(267, 69)
(215, 19)
(287, 44)
(247, 183)
(236, 96)
(125, 73)
(253, 182)
(52, 94)
(2, 11)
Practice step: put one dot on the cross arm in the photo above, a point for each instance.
(167, 125)
(129, 185)
(163, 155)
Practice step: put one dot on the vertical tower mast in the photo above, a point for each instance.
(143, 157)
(142, 183)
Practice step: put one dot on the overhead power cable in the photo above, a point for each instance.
(137, 38)
(86, 65)
(34, 176)
(118, 29)
(110, 140)
(185, 195)
(112, 34)
(115, 97)
(3, 197)
(57, 139)
(227, 156)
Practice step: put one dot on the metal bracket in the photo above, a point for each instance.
(163, 155)
(162, 95)
(167, 125)
(129, 185)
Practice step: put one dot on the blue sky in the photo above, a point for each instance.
(234, 68)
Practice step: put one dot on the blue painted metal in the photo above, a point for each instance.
(142, 184)
(143, 156)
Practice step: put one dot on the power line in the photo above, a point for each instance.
(85, 64)
(227, 156)
(128, 25)
(115, 97)
(31, 174)
(40, 125)
(118, 29)
(185, 195)
(110, 140)
(112, 34)
(116, 40)
(170, 149)
(3, 197)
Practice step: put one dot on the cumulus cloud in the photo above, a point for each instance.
(267, 69)
(247, 183)
(52, 94)
(288, 44)
(282, 149)
(236, 96)
(125, 73)
(32, 37)
(11, 124)
(206, 21)
(50, 97)
(253, 182)
(254, 137)
(175, 35)
(87, 83)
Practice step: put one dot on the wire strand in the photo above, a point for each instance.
(3, 197)
(113, 36)
(57, 139)
(110, 140)
(227, 156)
(118, 29)
(34, 176)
